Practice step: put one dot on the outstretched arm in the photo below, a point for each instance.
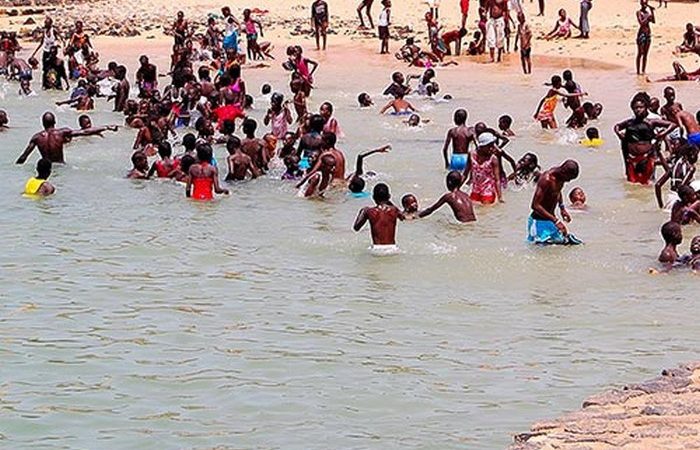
(90, 131)
(359, 169)
(431, 209)
(27, 151)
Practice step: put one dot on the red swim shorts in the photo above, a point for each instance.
(483, 199)
(464, 4)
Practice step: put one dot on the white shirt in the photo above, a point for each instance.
(384, 18)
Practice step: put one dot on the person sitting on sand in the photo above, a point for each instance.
(673, 237)
(562, 29)
(382, 218)
(477, 45)
(39, 185)
(458, 200)
(409, 203)
(400, 106)
(544, 227)
(577, 199)
(691, 40)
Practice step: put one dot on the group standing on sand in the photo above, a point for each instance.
(207, 98)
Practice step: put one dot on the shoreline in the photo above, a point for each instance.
(661, 413)
(611, 45)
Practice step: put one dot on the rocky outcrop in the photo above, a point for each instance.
(660, 414)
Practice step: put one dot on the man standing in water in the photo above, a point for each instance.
(50, 142)
(543, 225)
(382, 220)
(496, 27)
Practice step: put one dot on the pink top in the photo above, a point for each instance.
(332, 126)
(483, 178)
(279, 125)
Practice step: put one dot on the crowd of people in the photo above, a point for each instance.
(207, 100)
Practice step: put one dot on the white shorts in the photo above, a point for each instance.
(384, 250)
(495, 32)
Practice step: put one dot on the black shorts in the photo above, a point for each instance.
(383, 33)
(525, 52)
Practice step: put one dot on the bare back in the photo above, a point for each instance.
(382, 220)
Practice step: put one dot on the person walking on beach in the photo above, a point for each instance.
(544, 227)
(541, 5)
(584, 25)
(524, 35)
(319, 19)
(367, 6)
(645, 17)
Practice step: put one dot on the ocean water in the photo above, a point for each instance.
(131, 317)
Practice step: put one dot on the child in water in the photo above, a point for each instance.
(400, 106)
(458, 200)
(505, 122)
(410, 206)
(527, 170)
(39, 185)
(593, 139)
(673, 237)
(577, 198)
(356, 184)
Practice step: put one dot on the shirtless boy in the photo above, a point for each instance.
(460, 136)
(382, 219)
(458, 200)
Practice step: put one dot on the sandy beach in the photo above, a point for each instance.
(612, 40)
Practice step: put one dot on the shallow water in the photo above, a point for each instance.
(133, 318)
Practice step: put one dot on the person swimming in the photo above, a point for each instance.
(400, 106)
(527, 170)
(39, 185)
(593, 139)
(577, 199)
(356, 182)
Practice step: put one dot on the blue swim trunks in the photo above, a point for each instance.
(694, 139)
(458, 162)
(362, 194)
(545, 232)
(304, 163)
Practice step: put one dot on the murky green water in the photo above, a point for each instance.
(133, 318)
